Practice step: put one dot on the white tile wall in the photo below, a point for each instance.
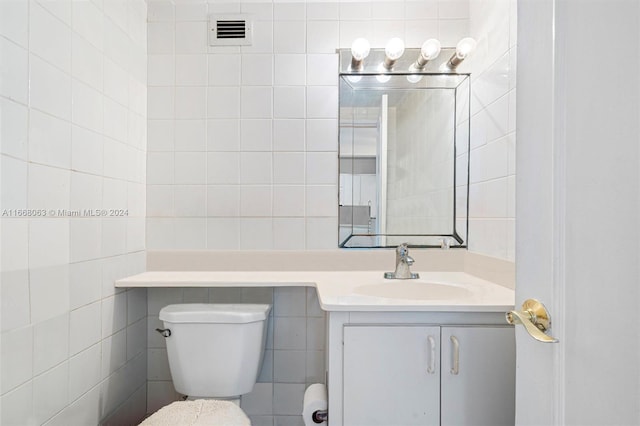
(14, 71)
(73, 100)
(268, 148)
(50, 343)
(492, 165)
(50, 392)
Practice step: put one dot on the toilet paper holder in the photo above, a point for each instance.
(320, 416)
(315, 409)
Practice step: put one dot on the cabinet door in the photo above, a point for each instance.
(478, 376)
(391, 375)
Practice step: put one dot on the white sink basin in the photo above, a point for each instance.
(413, 290)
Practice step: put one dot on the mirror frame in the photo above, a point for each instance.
(457, 238)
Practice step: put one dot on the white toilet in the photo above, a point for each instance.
(215, 350)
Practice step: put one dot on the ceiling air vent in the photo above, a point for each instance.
(230, 30)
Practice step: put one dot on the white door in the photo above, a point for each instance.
(578, 210)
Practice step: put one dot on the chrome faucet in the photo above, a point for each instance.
(403, 264)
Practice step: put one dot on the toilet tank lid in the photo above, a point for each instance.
(214, 313)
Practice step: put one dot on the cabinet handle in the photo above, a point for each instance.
(431, 368)
(456, 356)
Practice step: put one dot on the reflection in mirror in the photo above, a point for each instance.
(404, 149)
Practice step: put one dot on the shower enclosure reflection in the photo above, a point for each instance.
(404, 150)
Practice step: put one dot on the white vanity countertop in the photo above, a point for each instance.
(352, 290)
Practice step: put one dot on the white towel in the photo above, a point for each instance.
(198, 413)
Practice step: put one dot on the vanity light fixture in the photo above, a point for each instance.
(463, 48)
(393, 51)
(430, 50)
(360, 49)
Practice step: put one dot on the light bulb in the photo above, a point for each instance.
(430, 49)
(394, 49)
(383, 78)
(464, 47)
(360, 49)
(354, 78)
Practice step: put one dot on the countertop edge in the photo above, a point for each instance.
(493, 299)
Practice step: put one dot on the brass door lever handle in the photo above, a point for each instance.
(535, 318)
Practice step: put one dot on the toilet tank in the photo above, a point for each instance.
(215, 350)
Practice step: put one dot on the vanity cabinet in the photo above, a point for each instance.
(477, 383)
(406, 374)
(391, 375)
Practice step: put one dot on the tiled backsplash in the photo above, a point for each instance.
(294, 356)
(73, 101)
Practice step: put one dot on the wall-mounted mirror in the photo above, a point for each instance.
(404, 156)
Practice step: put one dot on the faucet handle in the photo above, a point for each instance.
(402, 254)
(402, 250)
